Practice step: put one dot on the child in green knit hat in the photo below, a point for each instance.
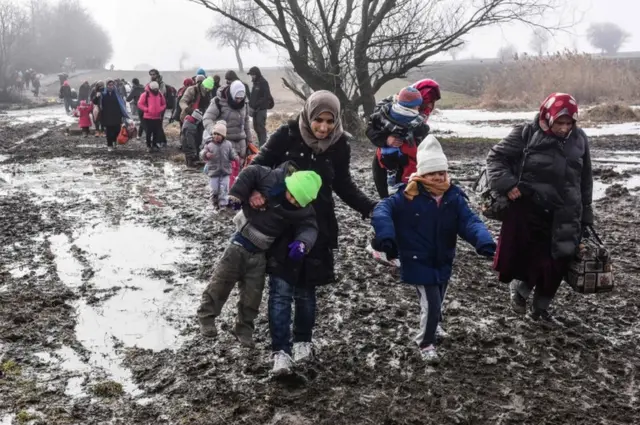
(288, 195)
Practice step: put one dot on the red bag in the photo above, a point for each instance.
(123, 137)
(252, 151)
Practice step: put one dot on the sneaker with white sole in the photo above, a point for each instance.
(282, 364)
(430, 355)
(302, 352)
(441, 333)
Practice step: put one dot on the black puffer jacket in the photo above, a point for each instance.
(286, 144)
(381, 125)
(263, 226)
(557, 176)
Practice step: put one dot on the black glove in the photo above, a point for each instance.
(585, 231)
(488, 250)
(389, 247)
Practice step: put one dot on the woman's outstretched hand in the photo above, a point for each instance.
(514, 194)
(257, 200)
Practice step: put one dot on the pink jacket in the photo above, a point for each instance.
(153, 105)
(84, 112)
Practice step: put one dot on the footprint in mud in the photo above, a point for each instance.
(296, 383)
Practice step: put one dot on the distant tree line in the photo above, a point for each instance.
(46, 36)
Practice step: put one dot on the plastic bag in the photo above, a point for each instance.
(123, 137)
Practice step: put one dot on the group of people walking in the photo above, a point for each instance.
(287, 231)
(281, 195)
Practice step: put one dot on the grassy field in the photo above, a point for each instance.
(285, 100)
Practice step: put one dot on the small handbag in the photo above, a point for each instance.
(591, 271)
(493, 205)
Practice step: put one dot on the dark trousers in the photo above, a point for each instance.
(68, 105)
(281, 295)
(112, 132)
(141, 127)
(153, 128)
(260, 125)
(430, 297)
(98, 124)
(85, 131)
(379, 178)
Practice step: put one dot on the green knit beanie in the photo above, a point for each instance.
(304, 186)
(208, 83)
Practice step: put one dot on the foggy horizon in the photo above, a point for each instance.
(138, 38)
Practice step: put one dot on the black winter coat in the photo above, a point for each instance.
(136, 92)
(286, 144)
(557, 177)
(84, 91)
(260, 95)
(265, 225)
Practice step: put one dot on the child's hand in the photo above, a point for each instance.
(488, 250)
(208, 155)
(394, 142)
(235, 203)
(296, 250)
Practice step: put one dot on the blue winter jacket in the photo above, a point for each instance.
(426, 234)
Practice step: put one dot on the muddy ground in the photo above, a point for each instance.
(91, 240)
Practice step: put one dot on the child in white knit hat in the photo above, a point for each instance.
(218, 154)
(420, 225)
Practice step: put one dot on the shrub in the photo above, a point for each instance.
(589, 79)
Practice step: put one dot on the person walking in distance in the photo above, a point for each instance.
(153, 104)
(112, 112)
(259, 102)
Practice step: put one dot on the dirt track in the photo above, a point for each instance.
(61, 195)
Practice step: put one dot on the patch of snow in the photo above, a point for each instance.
(55, 113)
(68, 267)
(43, 357)
(619, 161)
(74, 387)
(7, 420)
(461, 123)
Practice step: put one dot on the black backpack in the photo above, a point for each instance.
(170, 97)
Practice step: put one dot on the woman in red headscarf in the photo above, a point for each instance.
(544, 168)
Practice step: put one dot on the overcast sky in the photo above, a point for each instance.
(157, 31)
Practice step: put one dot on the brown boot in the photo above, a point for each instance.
(244, 337)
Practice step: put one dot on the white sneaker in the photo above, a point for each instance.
(441, 333)
(109, 149)
(302, 352)
(430, 355)
(282, 364)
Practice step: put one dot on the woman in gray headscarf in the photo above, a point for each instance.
(313, 141)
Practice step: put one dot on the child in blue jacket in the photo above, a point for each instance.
(420, 225)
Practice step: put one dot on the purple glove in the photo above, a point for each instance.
(296, 250)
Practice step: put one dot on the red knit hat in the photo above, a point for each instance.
(409, 97)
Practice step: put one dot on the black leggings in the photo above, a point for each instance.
(112, 134)
(154, 132)
(141, 129)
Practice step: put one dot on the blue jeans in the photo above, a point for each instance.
(281, 295)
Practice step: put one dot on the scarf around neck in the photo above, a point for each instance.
(413, 188)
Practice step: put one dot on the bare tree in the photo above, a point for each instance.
(230, 33)
(183, 57)
(13, 31)
(539, 43)
(354, 47)
(607, 36)
(454, 52)
(508, 52)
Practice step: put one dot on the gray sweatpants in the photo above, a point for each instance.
(248, 270)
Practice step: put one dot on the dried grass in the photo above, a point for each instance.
(610, 112)
(172, 130)
(528, 81)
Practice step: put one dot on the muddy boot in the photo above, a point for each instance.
(518, 302)
(540, 312)
(244, 336)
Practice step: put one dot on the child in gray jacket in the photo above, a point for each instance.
(218, 154)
